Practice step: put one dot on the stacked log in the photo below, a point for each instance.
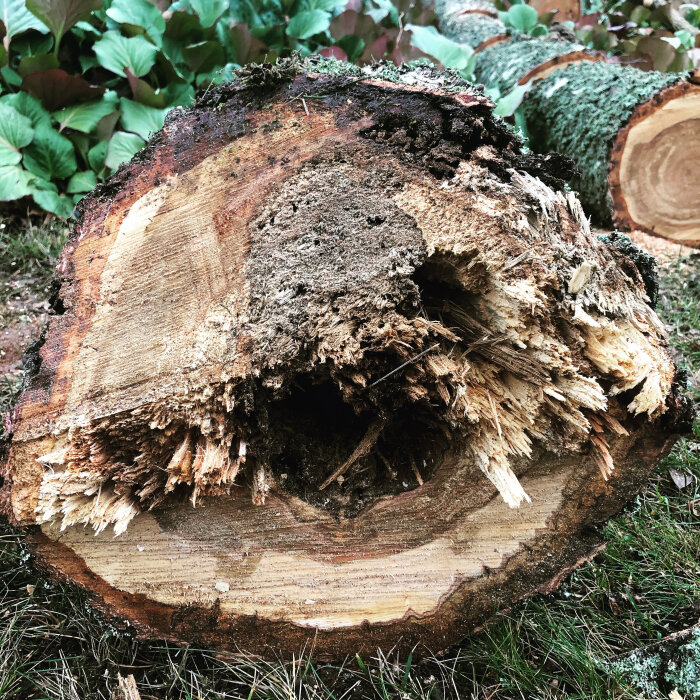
(633, 135)
(334, 362)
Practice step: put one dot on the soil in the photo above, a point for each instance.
(23, 312)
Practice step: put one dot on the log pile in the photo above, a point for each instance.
(332, 360)
(633, 135)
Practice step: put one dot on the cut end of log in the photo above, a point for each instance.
(654, 181)
(329, 336)
(566, 10)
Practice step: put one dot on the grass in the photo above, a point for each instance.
(571, 644)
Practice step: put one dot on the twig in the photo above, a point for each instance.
(405, 364)
(416, 473)
(366, 444)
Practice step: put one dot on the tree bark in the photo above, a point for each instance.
(333, 362)
(629, 132)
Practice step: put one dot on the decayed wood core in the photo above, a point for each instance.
(654, 179)
(322, 358)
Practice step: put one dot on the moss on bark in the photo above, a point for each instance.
(470, 29)
(502, 65)
(579, 111)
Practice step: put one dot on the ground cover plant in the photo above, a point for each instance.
(84, 84)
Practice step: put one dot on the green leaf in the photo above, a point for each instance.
(29, 107)
(12, 77)
(96, 156)
(115, 53)
(39, 62)
(204, 56)
(139, 13)
(328, 5)
(46, 196)
(60, 15)
(220, 74)
(352, 45)
(82, 182)
(448, 52)
(15, 133)
(17, 19)
(209, 11)
(50, 155)
(87, 62)
(14, 182)
(140, 119)
(305, 24)
(32, 43)
(522, 18)
(121, 148)
(179, 94)
(507, 104)
(539, 30)
(686, 38)
(84, 117)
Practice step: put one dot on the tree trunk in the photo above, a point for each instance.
(332, 361)
(566, 10)
(629, 132)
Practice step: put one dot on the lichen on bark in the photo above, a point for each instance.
(503, 65)
(579, 111)
(470, 29)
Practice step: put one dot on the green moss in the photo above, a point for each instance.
(471, 29)
(265, 75)
(502, 65)
(579, 110)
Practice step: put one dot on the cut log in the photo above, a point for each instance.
(334, 363)
(633, 135)
(460, 21)
(566, 10)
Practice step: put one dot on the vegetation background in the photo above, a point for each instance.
(83, 83)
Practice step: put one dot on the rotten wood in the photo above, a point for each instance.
(228, 300)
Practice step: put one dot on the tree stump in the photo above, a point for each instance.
(333, 362)
(633, 134)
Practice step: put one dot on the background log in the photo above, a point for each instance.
(613, 120)
(332, 269)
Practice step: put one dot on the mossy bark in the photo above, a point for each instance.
(580, 111)
(472, 28)
(578, 106)
(503, 65)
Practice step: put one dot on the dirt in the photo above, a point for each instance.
(23, 312)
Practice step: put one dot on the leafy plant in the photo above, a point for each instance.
(523, 19)
(84, 83)
(645, 37)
